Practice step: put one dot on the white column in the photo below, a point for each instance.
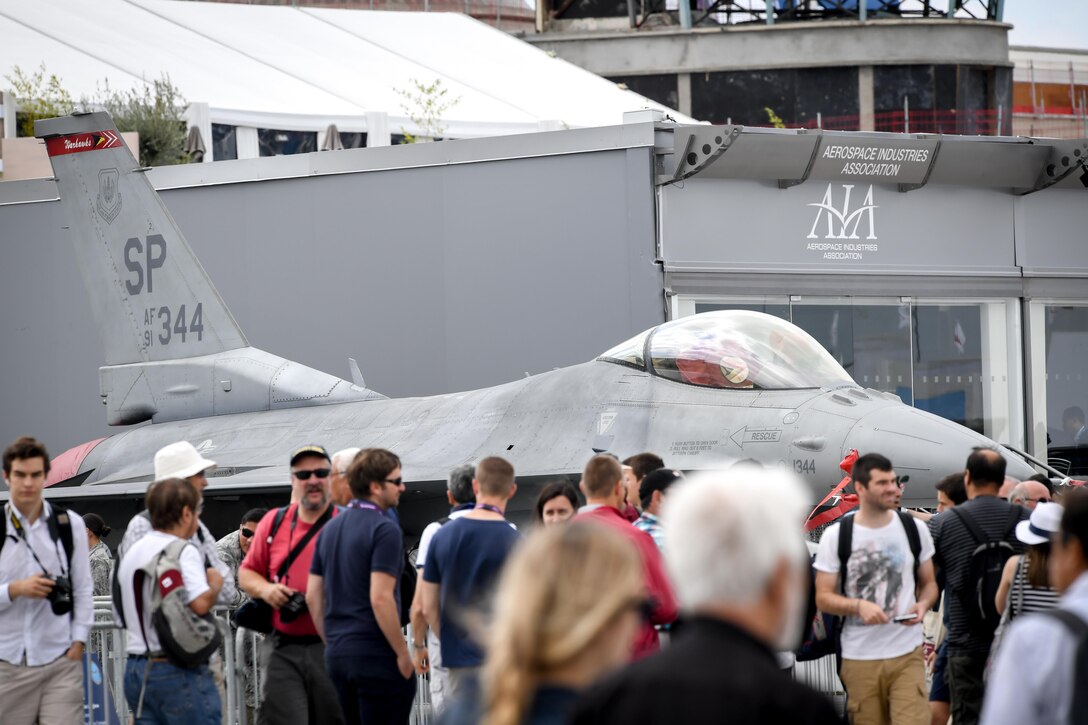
(249, 147)
(377, 129)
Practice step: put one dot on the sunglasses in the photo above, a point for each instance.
(247, 533)
(394, 481)
(305, 475)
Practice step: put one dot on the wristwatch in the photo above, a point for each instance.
(418, 646)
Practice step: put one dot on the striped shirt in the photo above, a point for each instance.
(1024, 598)
(955, 545)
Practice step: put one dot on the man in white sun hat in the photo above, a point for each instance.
(182, 460)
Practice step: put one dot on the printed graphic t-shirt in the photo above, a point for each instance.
(880, 570)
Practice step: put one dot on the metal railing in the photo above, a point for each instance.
(107, 653)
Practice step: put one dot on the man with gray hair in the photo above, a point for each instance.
(338, 479)
(425, 645)
(1029, 494)
(740, 568)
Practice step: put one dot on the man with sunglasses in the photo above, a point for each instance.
(297, 688)
(232, 550)
(354, 594)
(233, 547)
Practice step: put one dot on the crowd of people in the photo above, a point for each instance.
(641, 596)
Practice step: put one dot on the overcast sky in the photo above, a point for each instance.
(1049, 23)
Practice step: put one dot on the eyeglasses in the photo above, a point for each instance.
(246, 533)
(394, 481)
(305, 475)
(1037, 500)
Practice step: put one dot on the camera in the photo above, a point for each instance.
(294, 608)
(60, 596)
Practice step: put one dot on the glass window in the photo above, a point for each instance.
(870, 338)
(224, 142)
(351, 140)
(956, 359)
(630, 352)
(1066, 331)
(948, 365)
(742, 349)
(776, 308)
(285, 143)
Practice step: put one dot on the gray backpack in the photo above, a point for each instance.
(187, 638)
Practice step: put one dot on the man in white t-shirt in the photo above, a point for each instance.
(425, 645)
(162, 691)
(886, 591)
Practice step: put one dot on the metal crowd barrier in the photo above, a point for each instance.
(106, 654)
(822, 676)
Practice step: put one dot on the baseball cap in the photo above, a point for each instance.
(658, 480)
(311, 450)
(180, 460)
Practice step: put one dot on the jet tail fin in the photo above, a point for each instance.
(150, 297)
(173, 350)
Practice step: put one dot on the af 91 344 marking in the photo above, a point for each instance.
(165, 325)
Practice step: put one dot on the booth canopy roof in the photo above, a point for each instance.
(302, 68)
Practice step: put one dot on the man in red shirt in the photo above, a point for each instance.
(298, 689)
(602, 484)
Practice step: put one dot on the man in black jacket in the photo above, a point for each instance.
(739, 567)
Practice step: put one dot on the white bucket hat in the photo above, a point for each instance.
(1045, 521)
(180, 460)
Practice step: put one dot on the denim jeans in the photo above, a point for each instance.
(173, 694)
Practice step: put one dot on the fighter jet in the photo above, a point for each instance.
(702, 391)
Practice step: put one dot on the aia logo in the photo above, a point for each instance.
(844, 222)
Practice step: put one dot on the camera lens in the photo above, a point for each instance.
(60, 596)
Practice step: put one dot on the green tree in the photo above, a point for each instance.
(154, 111)
(425, 105)
(38, 96)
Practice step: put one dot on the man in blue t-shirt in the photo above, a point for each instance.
(354, 596)
(464, 560)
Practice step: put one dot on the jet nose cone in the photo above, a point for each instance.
(923, 446)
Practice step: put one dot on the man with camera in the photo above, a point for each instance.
(297, 688)
(46, 604)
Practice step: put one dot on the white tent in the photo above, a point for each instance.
(301, 69)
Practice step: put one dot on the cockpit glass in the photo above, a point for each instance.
(739, 349)
(630, 352)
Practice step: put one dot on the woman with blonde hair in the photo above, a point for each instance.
(567, 609)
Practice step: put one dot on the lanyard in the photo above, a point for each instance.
(492, 509)
(22, 535)
(358, 503)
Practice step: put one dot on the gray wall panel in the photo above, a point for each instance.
(436, 280)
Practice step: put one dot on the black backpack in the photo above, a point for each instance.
(60, 529)
(979, 592)
(824, 631)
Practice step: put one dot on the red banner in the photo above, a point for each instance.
(77, 142)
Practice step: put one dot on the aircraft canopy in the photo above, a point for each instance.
(734, 349)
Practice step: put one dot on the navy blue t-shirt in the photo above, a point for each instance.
(351, 547)
(465, 558)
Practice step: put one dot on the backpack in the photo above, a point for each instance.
(824, 631)
(979, 592)
(1078, 710)
(188, 639)
(60, 529)
(115, 585)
